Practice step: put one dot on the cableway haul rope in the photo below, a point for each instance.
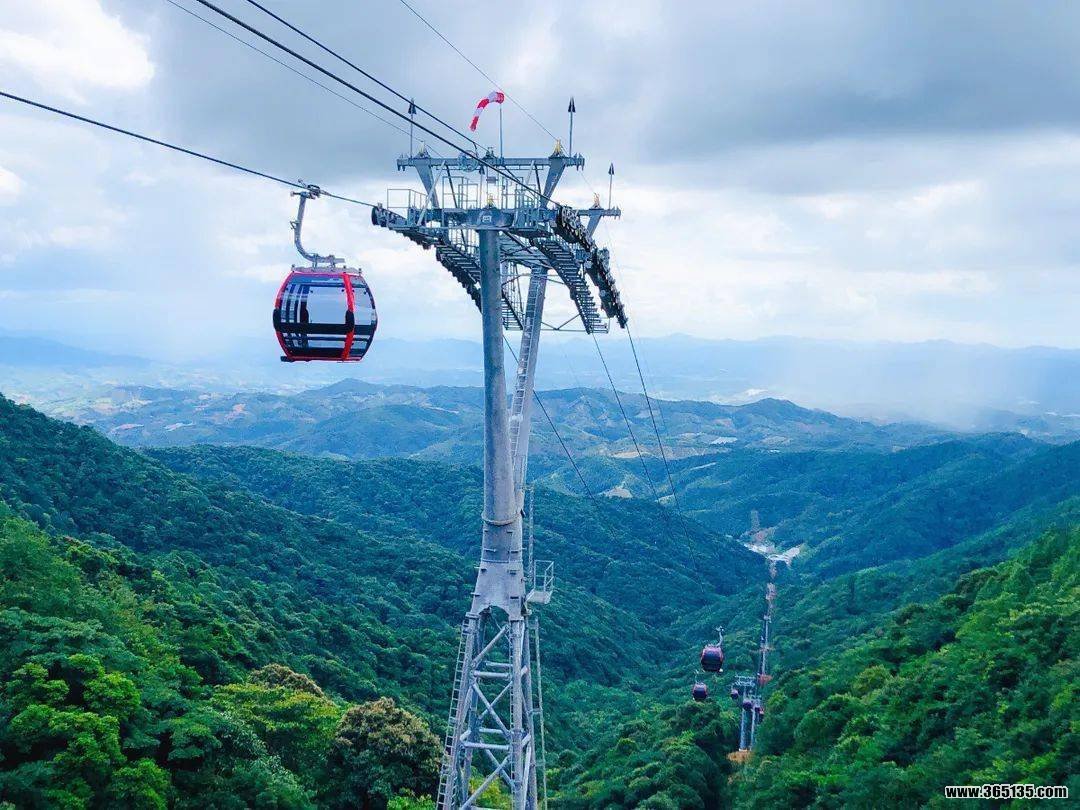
(288, 67)
(478, 69)
(174, 147)
(474, 154)
(299, 32)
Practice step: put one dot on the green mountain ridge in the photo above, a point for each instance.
(231, 620)
(976, 686)
(230, 583)
(654, 556)
(356, 420)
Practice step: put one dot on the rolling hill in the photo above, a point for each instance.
(974, 686)
(356, 420)
(362, 602)
(255, 603)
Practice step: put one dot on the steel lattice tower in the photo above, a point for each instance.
(494, 226)
(751, 688)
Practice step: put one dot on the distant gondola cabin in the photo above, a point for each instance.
(700, 691)
(324, 315)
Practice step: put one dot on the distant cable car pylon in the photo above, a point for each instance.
(748, 691)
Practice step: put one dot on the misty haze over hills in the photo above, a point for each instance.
(965, 387)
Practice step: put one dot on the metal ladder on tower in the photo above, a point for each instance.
(459, 668)
(517, 404)
(538, 719)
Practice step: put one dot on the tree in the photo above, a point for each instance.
(380, 750)
(297, 725)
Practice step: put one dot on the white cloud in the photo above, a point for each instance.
(80, 236)
(11, 185)
(72, 46)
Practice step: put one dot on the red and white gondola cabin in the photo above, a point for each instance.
(324, 315)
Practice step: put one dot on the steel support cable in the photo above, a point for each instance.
(652, 418)
(288, 67)
(660, 444)
(175, 147)
(329, 74)
(593, 501)
(570, 458)
(367, 75)
(566, 450)
(659, 402)
(577, 384)
(681, 522)
(663, 454)
(629, 427)
(477, 68)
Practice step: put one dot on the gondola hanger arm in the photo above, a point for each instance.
(311, 192)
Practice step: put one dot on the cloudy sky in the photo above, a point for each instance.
(865, 170)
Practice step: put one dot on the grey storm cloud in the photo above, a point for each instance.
(679, 83)
(898, 170)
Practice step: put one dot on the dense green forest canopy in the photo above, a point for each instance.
(632, 553)
(864, 494)
(236, 627)
(365, 607)
(125, 685)
(977, 686)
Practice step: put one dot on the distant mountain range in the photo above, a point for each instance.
(851, 494)
(21, 351)
(356, 420)
(975, 388)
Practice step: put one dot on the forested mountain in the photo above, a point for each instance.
(816, 621)
(224, 583)
(961, 387)
(630, 553)
(976, 686)
(231, 622)
(836, 481)
(130, 685)
(855, 509)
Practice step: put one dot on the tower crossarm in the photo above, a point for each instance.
(530, 241)
(468, 163)
(429, 168)
(595, 214)
(565, 262)
(462, 267)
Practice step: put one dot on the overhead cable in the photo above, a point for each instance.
(174, 147)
